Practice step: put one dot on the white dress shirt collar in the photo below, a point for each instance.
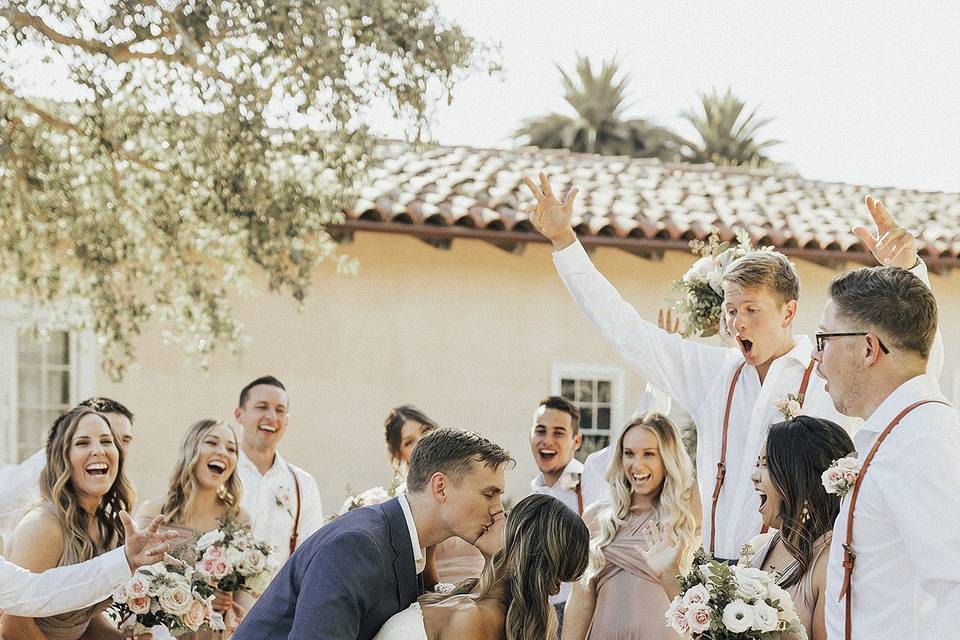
(418, 557)
(278, 463)
(922, 387)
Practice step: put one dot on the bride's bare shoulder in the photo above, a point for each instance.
(465, 618)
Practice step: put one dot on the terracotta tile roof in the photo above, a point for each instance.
(638, 204)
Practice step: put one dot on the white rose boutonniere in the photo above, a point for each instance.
(570, 482)
(285, 500)
(790, 406)
(840, 477)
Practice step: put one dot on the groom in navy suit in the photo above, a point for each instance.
(353, 574)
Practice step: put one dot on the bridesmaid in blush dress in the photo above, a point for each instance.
(643, 535)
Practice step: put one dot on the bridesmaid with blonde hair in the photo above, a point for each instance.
(204, 491)
(643, 535)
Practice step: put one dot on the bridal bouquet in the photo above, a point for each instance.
(702, 284)
(232, 559)
(723, 602)
(165, 599)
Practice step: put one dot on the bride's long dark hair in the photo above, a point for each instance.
(544, 543)
(798, 452)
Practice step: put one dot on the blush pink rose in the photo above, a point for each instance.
(850, 477)
(139, 604)
(137, 586)
(213, 553)
(679, 622)
(698, 618)
(195, 616)
(207, 566)
(221, 568)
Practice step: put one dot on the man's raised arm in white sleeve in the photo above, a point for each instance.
(63, 589)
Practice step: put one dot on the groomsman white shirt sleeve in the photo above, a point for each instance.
(593, 484)
(698, 377)
(906, 530)
(63, 589)
(271, 501)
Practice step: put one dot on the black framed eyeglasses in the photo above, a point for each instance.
(823, 337)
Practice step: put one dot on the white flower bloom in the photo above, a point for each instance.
(209, 538)
(216, 622)
(849, 463)
(697, 594)
(175, 599)
(700, 270)
(258, 584)
(765, 617)
(738, 616)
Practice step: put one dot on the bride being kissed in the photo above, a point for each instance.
(359, 571)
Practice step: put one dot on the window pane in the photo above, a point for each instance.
(29, 386)
(603, 391)
(58, 387)
(568, 389)
(591, 444)
(58, 349)
(586, 418)
(585, 390)
(27, 345)
(603, 419)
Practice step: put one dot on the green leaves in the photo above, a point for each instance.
(201, 143)
(728, 136)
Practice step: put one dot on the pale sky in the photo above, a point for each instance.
(861, 92)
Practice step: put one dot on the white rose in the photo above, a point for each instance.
(374, 495)
(119, 594)
(726, 257)
(753, 573)
(765, 617)
(195, 616)
(258, 584)
(175, 599)
(697, 594)
(700, 270)
(848, 464)
(209, 538)
(253, 562)
(750, 589)
(715, 280)
(233, 555)
(738, 616)
(139, 604)
(216, 622)
(794, 408)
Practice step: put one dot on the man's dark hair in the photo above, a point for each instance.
(268, 380)
(453, 453)
(889, 300)
(107, 405)
(562, 404)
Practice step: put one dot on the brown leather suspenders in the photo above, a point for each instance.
(849, 557)
(722, 465)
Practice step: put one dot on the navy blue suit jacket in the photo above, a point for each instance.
(343, 582)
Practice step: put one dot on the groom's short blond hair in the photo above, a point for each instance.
(770, 270)
(452, 452)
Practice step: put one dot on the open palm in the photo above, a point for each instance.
(892, 245)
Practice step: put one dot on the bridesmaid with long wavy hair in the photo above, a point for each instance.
(83, 490)
(642, 536)
(204, 491)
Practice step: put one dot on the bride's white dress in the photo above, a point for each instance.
(406, 625)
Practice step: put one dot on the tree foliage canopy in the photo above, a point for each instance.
(202, 140)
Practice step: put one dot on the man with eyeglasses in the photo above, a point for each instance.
(730, 393)
(894, 550)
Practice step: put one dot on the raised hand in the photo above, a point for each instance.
(147, 546)
(661, 553)
(893, 245)
(667, 322)
(548, 215)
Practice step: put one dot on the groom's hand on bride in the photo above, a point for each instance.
(550, 216)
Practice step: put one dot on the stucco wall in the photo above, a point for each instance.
(468, 334)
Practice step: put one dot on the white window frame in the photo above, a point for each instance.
(612, 373)
(15, 316)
